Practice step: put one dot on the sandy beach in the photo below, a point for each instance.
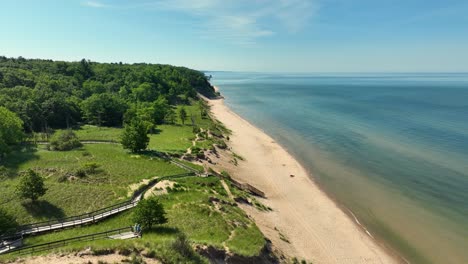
(305, 223)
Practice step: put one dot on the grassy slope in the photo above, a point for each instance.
(118, 170)
(189, 211)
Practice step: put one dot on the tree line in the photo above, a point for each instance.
(47, 94)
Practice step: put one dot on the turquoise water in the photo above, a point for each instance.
(393, 148)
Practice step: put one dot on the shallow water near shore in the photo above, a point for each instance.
(393, 148)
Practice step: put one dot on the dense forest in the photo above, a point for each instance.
(47, 94)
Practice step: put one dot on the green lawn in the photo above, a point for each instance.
(117, 171)
(172, 138)
(89, 132)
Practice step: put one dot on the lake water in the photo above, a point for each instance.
(392, 148)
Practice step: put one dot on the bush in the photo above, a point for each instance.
(64, 140)
(182, 245)
(91, 167)
(87, 169)
(81, 173)
(31, 185)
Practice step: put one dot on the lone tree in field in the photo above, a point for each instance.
(7, 223)
(31, 186)
(135, 137)
(149, 212)
(182, 115)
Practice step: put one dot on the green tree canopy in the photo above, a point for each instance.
(149, 212)
(182, 115)
(31, 185)
(135, 136)
(55, 94)
(7, 222)
(104, 109)
(11, 130)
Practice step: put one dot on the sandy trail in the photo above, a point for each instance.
(317, 230)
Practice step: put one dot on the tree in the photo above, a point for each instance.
(31, 185)
(182, 115)
(202, 106)
(7, 222)
(65, 140)
(11, 130)
(149, 212)
(170, 116)
(134, 136)
(104, 109)
(145, 92)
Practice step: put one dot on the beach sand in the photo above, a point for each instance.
(305, 223)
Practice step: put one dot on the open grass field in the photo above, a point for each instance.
(197, 207)
(69, 194)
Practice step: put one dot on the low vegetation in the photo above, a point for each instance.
(198, 211)
(64, 140)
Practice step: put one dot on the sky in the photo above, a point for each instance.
(244, 35)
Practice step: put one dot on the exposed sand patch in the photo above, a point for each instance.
(133, 187)
(160, 188)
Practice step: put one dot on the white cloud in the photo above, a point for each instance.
(238, 21)
(94, 4)
(244, 21)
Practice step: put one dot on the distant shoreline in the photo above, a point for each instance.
(317, 229)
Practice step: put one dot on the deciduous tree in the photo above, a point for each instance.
(31, 185)
(135, 136)
(149, 212)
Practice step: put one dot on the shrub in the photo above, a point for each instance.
(182, 245)
(80, 172)
(87, 169)
(31, 185)
(91, 167)
(64, 140)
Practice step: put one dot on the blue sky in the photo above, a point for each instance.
(244, 35)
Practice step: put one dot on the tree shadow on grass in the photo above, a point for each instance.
(19, 155)
(41, 209)
(164, 230)
(156, 131)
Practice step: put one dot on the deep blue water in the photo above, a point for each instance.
(391, 147)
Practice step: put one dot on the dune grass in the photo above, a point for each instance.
(197, 207)
(66, 197)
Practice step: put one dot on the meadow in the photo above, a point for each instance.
(197, 207)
